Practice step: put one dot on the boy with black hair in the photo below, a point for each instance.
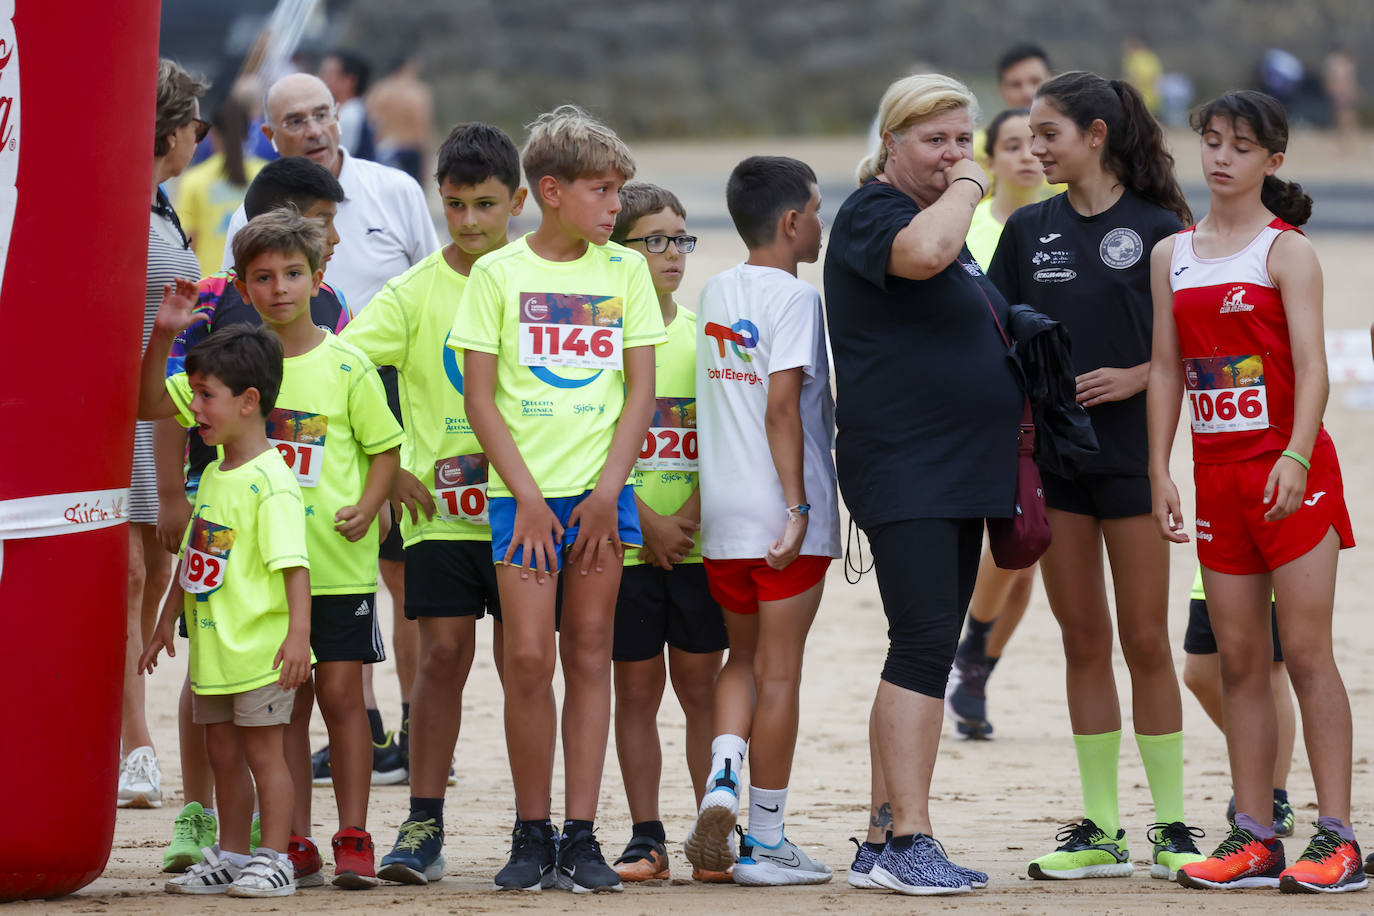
(244, 581)
(1020, 71)
(336, 434)
(558, 330)
(442, 485)
(769, 529)
(664, 601)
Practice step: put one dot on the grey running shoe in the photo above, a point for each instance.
(860, 870)
(774, 866)
(920, 868)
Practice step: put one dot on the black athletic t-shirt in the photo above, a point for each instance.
(927, 404)
(1092, 274)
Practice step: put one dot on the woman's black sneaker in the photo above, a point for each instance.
(582, 868)
(533, 858)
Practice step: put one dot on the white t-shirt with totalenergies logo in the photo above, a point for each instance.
(751, 322)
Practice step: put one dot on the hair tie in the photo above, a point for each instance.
(1116, 86)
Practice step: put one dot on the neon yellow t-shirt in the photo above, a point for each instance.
(248, 526)
(983, 234)
(330, 416)
(559, 330)
(205, 203)
(406, 325)
(1199, 593)
(665, 474)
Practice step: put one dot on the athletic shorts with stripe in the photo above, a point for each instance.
(343, 628)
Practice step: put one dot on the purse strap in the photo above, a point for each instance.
(1027, 439)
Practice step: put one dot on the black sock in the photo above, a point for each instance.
(572, 828)
(902, 842)
(422, 809)
(651, 829)
(374, 720)
(976, 636)
(874, 847)
(405, 717)
(1281, 796)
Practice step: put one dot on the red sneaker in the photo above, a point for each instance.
(1241, 860)
(353, 860)
(306, 861)
(1330, 865)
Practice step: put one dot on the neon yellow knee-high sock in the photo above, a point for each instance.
(1097, 769)
(1163, 758)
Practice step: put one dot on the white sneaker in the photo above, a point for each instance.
(772, 866)
(140, 780)
(708, 844)
(265, 875)
(211, 875)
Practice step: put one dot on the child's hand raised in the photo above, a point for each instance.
(178, 302)
(598, 532)
(537, 534)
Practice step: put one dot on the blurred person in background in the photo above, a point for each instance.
(402, 108)
(1342, 88)
(1142, 68)
(208, 193)
(347, 73)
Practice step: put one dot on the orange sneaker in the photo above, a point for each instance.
(305, 862)
(354, 860)
(714, 877)
(644, 859)
(1329, 865)
(1241, 860)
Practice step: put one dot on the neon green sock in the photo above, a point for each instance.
(1163, 759)
(1097, 766)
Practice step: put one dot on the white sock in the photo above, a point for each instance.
(285, 860)
(237, 859)
(726, 749)
(766, 810)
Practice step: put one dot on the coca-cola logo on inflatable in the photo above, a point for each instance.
(9, 129)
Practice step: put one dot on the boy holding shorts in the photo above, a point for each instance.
(334, 431)
(663, 598)
(243, 581)
(558, 330)
(769, 527)
(442, 485)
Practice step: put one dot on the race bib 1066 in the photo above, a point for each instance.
(460, 488)
(1226, 394)
(206, 558)
(574, 330)
(299, 437)
(671, 444)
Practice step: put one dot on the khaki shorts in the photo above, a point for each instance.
(268, 705)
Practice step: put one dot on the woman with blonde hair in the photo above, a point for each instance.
(928, 409)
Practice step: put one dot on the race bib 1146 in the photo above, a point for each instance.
(671, 444)
(574, 330)
(1226, 394)
(206, 558)
(460, 488)
(299, 437)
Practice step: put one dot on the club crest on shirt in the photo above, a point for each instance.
(1235, 301)
(1121, 248)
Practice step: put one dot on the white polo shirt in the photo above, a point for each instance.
(384, 227)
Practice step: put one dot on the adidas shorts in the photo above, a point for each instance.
(343, 628)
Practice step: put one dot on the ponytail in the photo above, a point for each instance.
(1286, 200)
(1266, 117)
(1135, 151)
(231, 123)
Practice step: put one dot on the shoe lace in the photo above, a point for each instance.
(415, 833)
(139, 766)
(1323, 846)
(185, 827)
(1235, 841)
(1080, 834)
(1177, 833)
(590, 846)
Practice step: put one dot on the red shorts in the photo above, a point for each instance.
(1232, 535)
(739, 585)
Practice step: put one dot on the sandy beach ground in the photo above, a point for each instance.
(996, 804)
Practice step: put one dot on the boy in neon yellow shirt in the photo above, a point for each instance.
(243, 582)
(335, 433)
(558, 330)
(442, 484)
(664, 600)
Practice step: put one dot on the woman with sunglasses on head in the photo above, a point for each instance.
(177, 129)
(1081, 258)
(1238, 329)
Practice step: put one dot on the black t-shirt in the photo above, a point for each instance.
(927, 404)
(1092, 274)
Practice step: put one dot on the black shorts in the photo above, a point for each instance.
(343, 628)
(392, 547)
(666, 606)
(1099, 495)
(1198, 639)
(451, 579)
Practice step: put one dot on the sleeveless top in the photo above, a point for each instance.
(1237, 357)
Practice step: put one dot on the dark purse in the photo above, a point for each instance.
(1019, 541)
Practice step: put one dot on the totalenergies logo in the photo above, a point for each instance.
(743, 333)
(9, 129)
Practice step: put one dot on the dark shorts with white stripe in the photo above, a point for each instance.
(343, 628)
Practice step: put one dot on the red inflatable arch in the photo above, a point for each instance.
(75, 185)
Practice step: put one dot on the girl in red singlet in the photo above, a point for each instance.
(1238, 340)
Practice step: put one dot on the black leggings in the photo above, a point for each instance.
(926, 569)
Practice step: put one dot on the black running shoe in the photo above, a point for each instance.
(533, 858)
(388, 765)
(966, 696)
(582, 868)
(320, 773)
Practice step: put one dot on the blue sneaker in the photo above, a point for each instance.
(921, 868)
(860, 870)
(776, 866)
(417, 857)
(708, 843)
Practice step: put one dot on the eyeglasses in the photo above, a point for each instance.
(202, 128)
(323, 116)
(657, 244)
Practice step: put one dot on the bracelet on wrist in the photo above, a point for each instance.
(982, 191)
(1297, 456)
(799, 510)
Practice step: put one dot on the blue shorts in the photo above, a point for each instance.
(501, 515)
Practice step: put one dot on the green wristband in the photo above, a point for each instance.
(1296, 456)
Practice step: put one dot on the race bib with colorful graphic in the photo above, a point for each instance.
(460, 488)
(571, 329)
(299, 437)
(671, 443)
(1226, 394)
(206, 558)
